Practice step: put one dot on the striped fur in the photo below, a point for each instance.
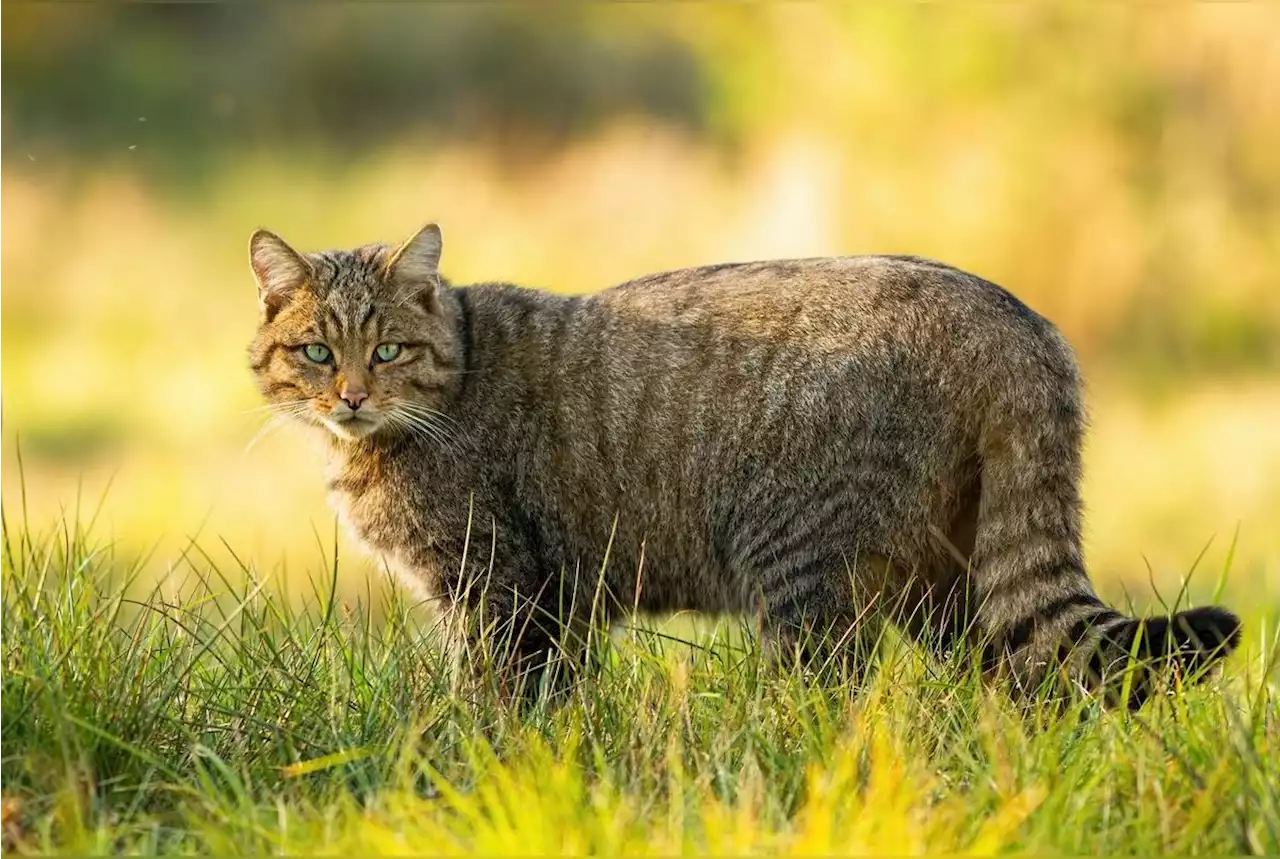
(825, 444)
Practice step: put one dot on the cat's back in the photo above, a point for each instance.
(817, 294)
(659, 396)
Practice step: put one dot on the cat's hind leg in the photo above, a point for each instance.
(819, 618)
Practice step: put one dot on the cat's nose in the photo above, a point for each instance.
(353, 397)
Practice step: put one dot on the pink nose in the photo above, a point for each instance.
(353, 398)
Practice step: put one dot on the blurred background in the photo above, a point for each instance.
(1117, 167)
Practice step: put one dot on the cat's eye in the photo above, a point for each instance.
(386, 352)
(317, 352)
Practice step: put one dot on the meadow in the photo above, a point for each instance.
(226, 722)
(196, 660)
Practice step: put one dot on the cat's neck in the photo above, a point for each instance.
(375, 452)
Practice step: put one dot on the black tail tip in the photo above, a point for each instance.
(1189, 642)
(1209, 628)
(1193, 639)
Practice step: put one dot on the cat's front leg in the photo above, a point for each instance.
(521, 636)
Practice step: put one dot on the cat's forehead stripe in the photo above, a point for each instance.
(348, 290)
(350, 309)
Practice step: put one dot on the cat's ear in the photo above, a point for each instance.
(281, 271)
(414, 267)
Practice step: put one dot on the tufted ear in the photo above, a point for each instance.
(281, 271)
(414, 267)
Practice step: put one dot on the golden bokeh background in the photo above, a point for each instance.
(1117, 167)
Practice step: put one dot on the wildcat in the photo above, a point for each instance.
(825, 444)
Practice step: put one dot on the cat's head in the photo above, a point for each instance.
(358, 341)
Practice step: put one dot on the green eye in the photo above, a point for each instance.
(317, 352)
(386, 352)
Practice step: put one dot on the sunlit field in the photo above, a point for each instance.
(195, 658)
(124, 362)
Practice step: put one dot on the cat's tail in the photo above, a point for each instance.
(1185, 644)
(1036, 607)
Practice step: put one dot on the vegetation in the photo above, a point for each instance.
(208, 715)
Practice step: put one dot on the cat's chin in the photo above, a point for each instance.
(354, 428)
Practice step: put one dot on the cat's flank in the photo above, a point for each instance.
(825, 444)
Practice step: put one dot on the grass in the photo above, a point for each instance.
(212, 713)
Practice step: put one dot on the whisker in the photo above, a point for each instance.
(433, 424)
(412, 428)
(272, 423)
(427, 411)
(422, 427)
(275, 407)
(432, 432)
